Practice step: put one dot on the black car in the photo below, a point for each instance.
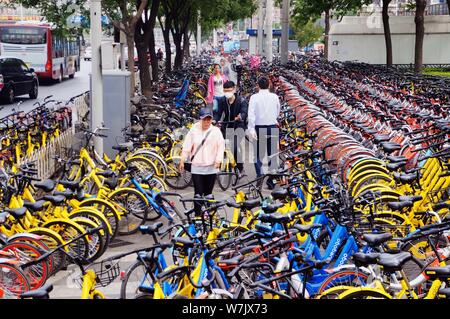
(16, 79)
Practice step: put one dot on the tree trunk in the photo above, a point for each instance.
(153, 58)
(177, 38)
(186, 45)
(166, 35)
(144, 68)
(327, 32)
(130, 44)
(387, 32)
(420, 33)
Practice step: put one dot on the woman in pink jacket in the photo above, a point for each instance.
(215, 86)
(203, 147)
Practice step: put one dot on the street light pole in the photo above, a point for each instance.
(199, 35)
(269, 32)
(285, 33)
(261, 27)
(96, 72)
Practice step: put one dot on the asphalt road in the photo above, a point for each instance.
(60, 91)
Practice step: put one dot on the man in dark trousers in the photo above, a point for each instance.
(233, 111)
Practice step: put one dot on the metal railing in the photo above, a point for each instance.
(43, 158)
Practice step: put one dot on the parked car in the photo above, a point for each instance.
(17, 79)
(88, 54)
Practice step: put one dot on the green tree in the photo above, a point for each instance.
(305, 10)
(306, 34)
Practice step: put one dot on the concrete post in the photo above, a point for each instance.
(285, 32)
(269, 30)
(260, 42)
(199, 35)
(96, 77)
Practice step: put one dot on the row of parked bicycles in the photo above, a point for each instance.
(359, 211)
(22, 133)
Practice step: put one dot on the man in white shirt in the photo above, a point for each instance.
(263, 111)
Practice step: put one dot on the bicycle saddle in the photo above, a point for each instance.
(249, 204)
(396, 159)
(395, 166)
(120, 148)
(159, 130)
(400, 205)
(55, 200)
(150, 229)
(306, 228)
(274, 218)
(394, 262)
(231, 261)
(376, 239)
(405, 178)
(41, 293)
(70, 184)
(444, 293)
(362, 259)
(34, 207)
(410, 198)
(271, 208)
(378, 138)
(66, 193)
(390, 147)
(279, 193)
(441, 205)
(47, 185)
(17, 213)
(442, 273)
(184, 241)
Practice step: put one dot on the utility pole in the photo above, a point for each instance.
(214, 38)
(285, 32)
(199, 35)
(269, 32)
(261, 27)
(96, 73)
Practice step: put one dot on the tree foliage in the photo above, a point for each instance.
(306, 34)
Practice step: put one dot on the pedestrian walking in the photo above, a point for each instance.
(203, 148)
(233, 109)
(239, 66)
(225, 66)
(215, 86)
(263, 112)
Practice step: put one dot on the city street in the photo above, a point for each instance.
(60, 91)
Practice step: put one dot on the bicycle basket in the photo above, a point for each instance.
(105, 272)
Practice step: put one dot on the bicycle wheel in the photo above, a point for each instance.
(36, 274)
(108, 210)
(136, 276)
(52, 240)
(68, 230)
(225, 175)
(345, 277)
(97, 241)
(133, 207)
(364, 293)
(13, 282)
(36, 241)
(171, 210)
(160, 164)
(144, 165)
(174, 178)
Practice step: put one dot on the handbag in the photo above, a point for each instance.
(188, 165)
